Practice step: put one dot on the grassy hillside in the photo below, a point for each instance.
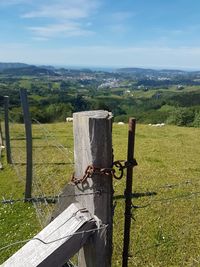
(165, 231)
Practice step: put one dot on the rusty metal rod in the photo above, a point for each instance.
(128, 191)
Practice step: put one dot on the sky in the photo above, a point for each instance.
(101, 33)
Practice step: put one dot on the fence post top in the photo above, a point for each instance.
(99, 114)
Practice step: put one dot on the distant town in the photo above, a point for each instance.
(152, 96)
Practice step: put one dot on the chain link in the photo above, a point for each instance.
(92, 170)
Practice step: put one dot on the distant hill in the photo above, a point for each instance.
(28, 70)
(134, 70)
(151, 71)
(4, 66)
(48, 67)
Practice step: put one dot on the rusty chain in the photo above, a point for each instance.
(92, 170)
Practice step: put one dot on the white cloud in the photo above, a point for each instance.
(59, 30)
(68, 9)
(14, 2)
(64, 17)
(58, 12)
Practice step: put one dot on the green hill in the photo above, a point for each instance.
(4, 66)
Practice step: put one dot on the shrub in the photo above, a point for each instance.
(181, 117)
(196, 122)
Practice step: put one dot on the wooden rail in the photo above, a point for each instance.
(57, 242)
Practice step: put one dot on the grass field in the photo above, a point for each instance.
(166, 229)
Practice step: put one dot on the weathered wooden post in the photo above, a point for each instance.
(93, 147)
(1, 135)
(1, 145)
(29, 157)
(7, 132)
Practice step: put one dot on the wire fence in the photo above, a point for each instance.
(101, 228)
(52, 163)
(52, 167)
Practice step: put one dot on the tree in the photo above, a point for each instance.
(196, 122)
(181, 117)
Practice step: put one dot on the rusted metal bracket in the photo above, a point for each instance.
(118, 164)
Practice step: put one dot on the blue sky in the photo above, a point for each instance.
(112, 33)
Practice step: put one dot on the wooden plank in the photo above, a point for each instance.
(61, 239)
(93, 146)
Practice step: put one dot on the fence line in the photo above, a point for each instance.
(57, 144)
(41, 202)
(55, 198)
(45, 175)
(17, 153)
(49, 199)
(53, 241)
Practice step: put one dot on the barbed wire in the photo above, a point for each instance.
(162, 200)
(158, 244)
(17, 153)
(43, 177)
(55, 240)
(57, 144)
(55, 199)
(186, 196)
(174, 185)
(48, 199)
(42, 212)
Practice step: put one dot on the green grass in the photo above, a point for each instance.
(165, 233)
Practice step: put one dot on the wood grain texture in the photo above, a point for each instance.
(93, 146)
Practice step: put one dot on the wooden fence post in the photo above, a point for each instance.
(28, 129)
(93, 146)
(1, 145)
(7, 132)
(1, 135)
